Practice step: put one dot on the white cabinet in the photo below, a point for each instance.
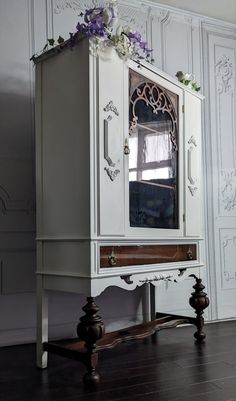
(118, 175)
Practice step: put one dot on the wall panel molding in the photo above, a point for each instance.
(228, 258)
(219, 47)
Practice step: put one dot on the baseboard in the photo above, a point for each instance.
(28, 334)
(66, 330)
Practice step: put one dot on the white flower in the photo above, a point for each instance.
(119, 30)
(188, 80)
(187, 77)
(123, 46)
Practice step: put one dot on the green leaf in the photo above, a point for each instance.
(60, 40)
(51, 42)
(186, 82)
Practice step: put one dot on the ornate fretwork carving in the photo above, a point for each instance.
(159, 277)
(224, 74)
(228, 190)
(111, 107)
(160, 102)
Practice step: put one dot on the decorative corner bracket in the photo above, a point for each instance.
(112, 174)
(111, 107)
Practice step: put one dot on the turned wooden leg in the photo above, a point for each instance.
(90, 329)
(199, 301)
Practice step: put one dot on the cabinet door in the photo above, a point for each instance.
(155, 183)
(193, 199)
(111, 133)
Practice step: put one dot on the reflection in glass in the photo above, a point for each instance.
(153, 159)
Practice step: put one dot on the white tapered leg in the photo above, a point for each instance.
(42, 323)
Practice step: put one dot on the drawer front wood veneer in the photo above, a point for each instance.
(118, 256)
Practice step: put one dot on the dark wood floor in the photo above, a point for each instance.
(175, 368)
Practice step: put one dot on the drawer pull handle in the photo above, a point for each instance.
(126, 148)
(112, 259)
(189, 254)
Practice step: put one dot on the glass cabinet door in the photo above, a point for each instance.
(153, 158)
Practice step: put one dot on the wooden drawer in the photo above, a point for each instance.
(133, 255)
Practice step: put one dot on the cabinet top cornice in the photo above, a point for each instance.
(164, 75)
(131, 63)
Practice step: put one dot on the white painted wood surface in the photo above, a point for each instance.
(64, 180)
(111, 87)
(193, 165)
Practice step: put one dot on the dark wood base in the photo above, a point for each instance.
(91, 337)
(76, 349)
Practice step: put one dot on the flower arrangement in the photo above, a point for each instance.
(188, 80)
(101, 23)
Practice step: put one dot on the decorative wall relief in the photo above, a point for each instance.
(63, 15)
(75, 6)
(228, 190)
(225, 129)
(135, 18)
(228, 249)
(224, 74)
(164, 15)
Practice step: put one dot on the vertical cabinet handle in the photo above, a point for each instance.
(190, 167)
(106, 143)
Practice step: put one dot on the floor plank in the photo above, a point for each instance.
(171, 368)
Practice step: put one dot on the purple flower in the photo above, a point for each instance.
(142, 45)
(91, 14)
(100, 22)
(135, 36)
